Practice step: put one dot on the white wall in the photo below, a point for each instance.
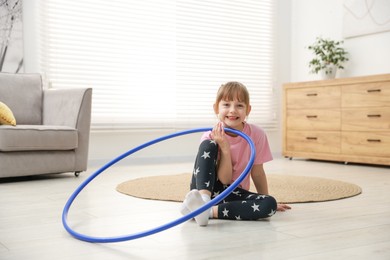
(299, 22)
(369, 54)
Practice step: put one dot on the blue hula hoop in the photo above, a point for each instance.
(169, 224)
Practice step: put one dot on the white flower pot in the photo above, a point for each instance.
(329, 72)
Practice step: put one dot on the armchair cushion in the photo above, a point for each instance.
(6, 115)
(37, 138)
(23, 95)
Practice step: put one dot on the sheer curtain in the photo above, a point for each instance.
(158, 64)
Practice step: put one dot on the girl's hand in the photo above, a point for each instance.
(218, 135)
(282, 207)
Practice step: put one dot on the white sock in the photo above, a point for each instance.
(206, 198)
(183, 209)
(192, 202)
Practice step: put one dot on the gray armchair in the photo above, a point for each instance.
(52, 127)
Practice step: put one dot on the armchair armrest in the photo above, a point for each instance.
(63, 106)
(71, 107)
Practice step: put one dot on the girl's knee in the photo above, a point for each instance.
(269, 205)
(208, 146)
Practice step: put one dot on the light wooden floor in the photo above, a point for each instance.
(353, 228)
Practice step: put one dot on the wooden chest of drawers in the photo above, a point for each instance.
(344, 120)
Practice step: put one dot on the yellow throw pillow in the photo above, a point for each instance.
(6, 115)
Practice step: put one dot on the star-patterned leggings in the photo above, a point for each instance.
(241, 204)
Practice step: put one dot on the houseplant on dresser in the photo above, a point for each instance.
(329, 56)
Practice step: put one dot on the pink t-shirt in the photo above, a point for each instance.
(240, 151)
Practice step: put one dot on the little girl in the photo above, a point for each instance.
(221, 159)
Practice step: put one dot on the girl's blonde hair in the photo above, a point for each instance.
(233, 91)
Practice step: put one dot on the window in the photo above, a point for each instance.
(159, 64)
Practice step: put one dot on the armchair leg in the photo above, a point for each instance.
(76, 174)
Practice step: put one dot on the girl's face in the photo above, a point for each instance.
(232, 113)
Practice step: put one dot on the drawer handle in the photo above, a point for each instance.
(311, 138)
(373, 90)
(374, 115)
(311, 94)
(374, 140)
(311, 116)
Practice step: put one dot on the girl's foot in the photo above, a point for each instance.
(192, 202)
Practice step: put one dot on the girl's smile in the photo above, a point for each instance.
(232, 113)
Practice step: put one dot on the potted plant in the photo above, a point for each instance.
(329, 56)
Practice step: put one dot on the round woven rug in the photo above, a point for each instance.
(285, 188)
